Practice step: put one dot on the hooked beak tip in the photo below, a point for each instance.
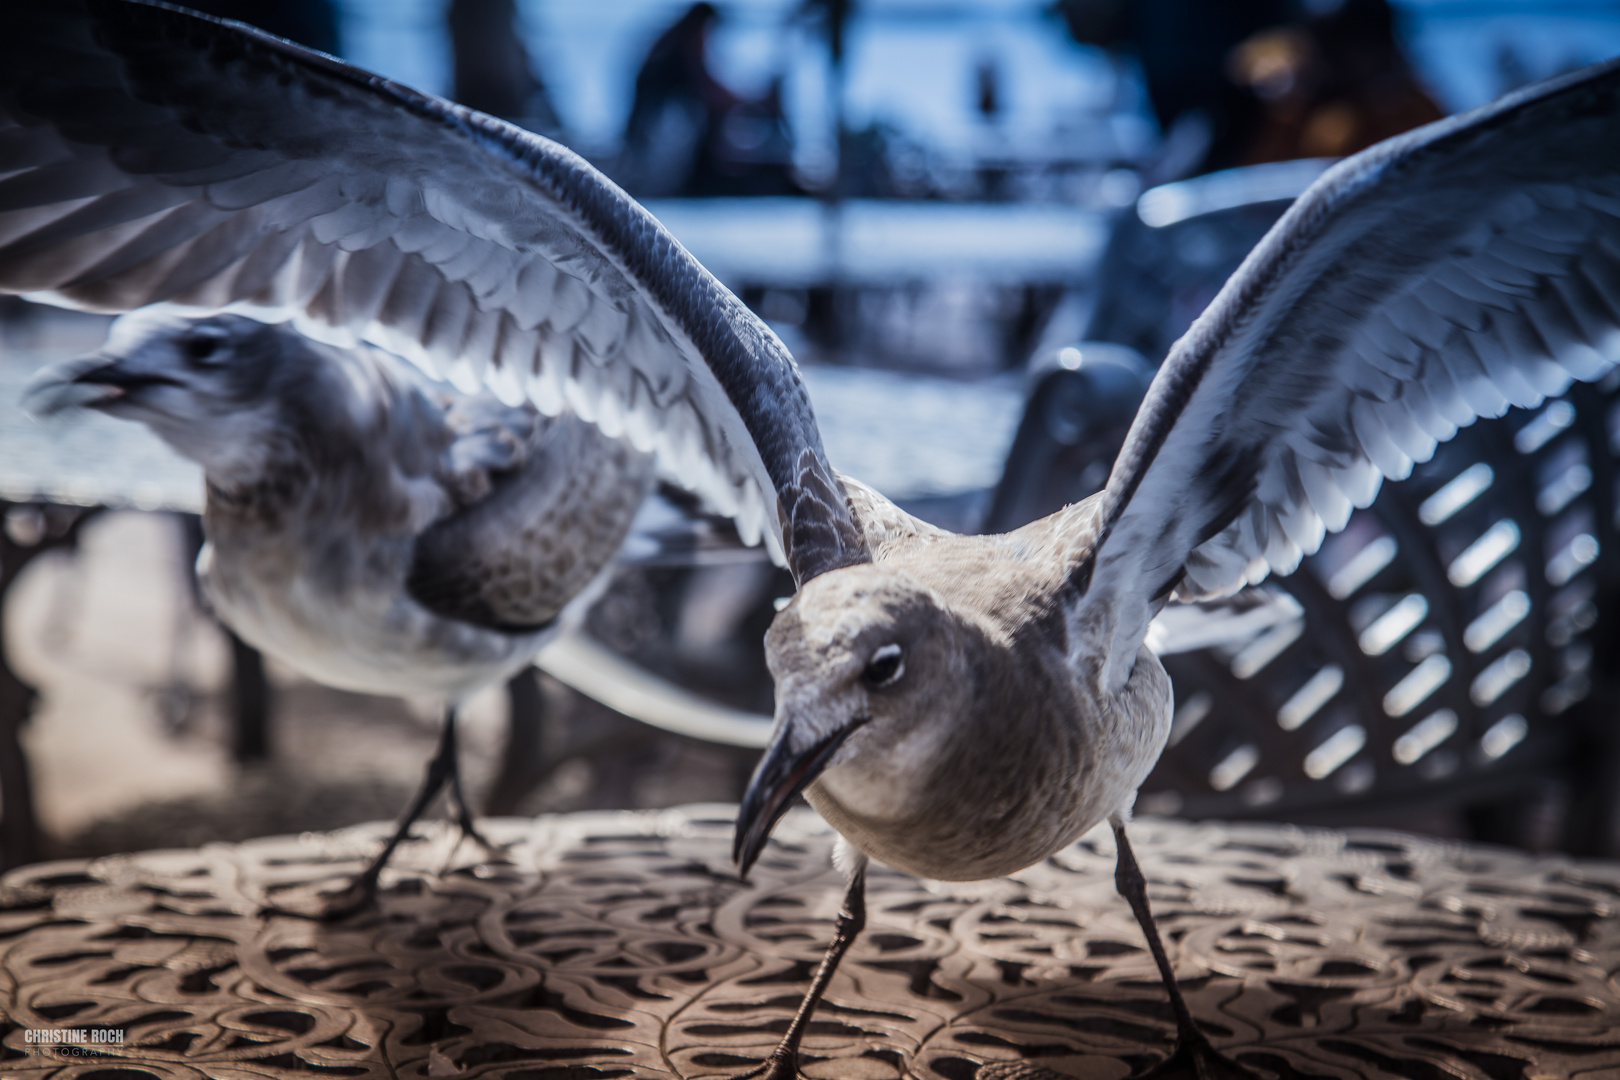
(754, 824)
(782, 775)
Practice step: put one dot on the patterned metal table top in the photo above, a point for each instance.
(622, 944)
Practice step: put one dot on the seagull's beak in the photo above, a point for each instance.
(64, 386)
(88, 382)
(115, 378)
(782, 774)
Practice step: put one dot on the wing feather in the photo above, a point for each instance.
(1441, 276)
(148, 154)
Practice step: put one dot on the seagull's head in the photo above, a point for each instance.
(867, 662)
(197, 382)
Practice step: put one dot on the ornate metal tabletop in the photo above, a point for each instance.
(623, 944)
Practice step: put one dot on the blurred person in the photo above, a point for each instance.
(690, 134)
(1332, 86)
(493, 71)
(676, 109)
(1239, 82)
(1182, 47)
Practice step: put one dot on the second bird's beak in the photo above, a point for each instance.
(115, 377)
(782, 774)
(88, 382)
(84, 382)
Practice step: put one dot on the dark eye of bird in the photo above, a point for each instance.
(885, 667)
(201, 347)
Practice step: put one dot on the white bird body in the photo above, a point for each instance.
(372, 638)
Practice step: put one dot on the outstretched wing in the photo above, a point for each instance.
(147, 154)
(1440, 276)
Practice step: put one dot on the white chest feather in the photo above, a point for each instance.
(364, 634)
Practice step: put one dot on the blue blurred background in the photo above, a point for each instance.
(912, 65)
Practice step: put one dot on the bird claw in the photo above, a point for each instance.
(1196, 1059)
(361, 890)
(307, 902)
(492, 850)
(353, 897)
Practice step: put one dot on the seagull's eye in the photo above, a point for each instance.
(201, 348)
(885, 668)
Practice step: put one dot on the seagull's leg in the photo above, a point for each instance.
(458, 798)
(1194, 1057)
(363, 889)
(783, 1064)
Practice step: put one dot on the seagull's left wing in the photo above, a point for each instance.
(149, 154)
(1440, 276)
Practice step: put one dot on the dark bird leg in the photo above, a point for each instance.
(441, 769)
(783, 1064)
(1194, 1057)
(462, 812)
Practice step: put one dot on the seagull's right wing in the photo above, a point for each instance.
(1440, 276)
(148, 154)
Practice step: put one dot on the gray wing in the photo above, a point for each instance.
(1444, 275)
(148, 154)
(547, 503)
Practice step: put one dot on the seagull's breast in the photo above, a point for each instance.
(1036, 763)
(354, 626)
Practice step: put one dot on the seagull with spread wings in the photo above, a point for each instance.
(957, 707)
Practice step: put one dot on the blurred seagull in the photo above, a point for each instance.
(958, 707)
(372, 530)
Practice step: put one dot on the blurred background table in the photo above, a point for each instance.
(618, 944)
